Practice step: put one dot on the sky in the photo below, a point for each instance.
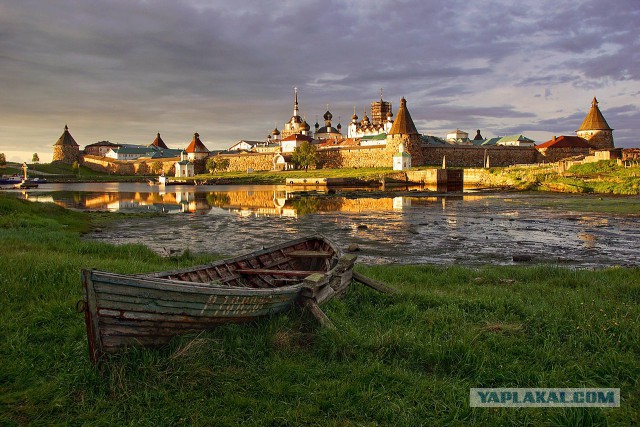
(122, 70)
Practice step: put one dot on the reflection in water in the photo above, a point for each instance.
(462, 228)
(255, 202)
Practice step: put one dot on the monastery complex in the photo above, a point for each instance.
(384, 140)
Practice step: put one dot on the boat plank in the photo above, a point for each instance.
(180, 317)
(176, 300)
(372, 283)
(275, 272)
(200, 308)
(101, 283)
(194, 302)
(276, 262)
(317, 312)
(114, 321)
(91, 317)
(311, 254)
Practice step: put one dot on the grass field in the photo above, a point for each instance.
(407, 359)
(603, 177)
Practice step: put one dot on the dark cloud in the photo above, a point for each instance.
(124, 69)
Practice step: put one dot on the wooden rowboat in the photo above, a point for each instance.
(149, 310)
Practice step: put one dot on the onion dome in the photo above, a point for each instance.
(354, 117)
(305, 125)
(328, 115)
(365, 119)
(389, 114)
(276, 132)
(339, 126)
(317, 125)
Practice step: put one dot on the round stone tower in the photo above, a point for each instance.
(595, 128)
(404, 132)
(66, 150)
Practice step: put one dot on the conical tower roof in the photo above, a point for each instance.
(158, 142)
(66, 138)
(403, 124)
(594, 120)
(196, 146)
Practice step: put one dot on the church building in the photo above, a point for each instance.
(296, 124)
(380, 123)
(196, 149)
(327, 131)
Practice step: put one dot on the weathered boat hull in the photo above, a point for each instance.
(149, 310)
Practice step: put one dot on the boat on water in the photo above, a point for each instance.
(150, 309)
(6, 180)
(163, 180)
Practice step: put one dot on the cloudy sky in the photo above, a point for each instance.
(122, 70)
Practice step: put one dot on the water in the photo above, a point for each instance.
(461, 228)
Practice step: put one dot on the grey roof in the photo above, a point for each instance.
(103, 144)
(510, 138)
(135, 150)
(490, 141)
(432, 140)
(380, 136)
(161, 153)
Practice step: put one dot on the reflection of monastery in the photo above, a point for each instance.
(382, 140)
(254, 203)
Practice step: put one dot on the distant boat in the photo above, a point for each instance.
(6, 180)
(149, 310)
(162, 181)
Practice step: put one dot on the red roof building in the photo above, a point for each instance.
(196, 149)
(565, 142)
(158, 142)
(564, 147)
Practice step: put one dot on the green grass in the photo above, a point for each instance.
(603, 177)
(407, 359)
(588, 203)
(10, 169)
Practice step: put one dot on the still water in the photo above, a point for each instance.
(420, 227)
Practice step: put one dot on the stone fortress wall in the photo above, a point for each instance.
(356, 157)
(128, 167)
